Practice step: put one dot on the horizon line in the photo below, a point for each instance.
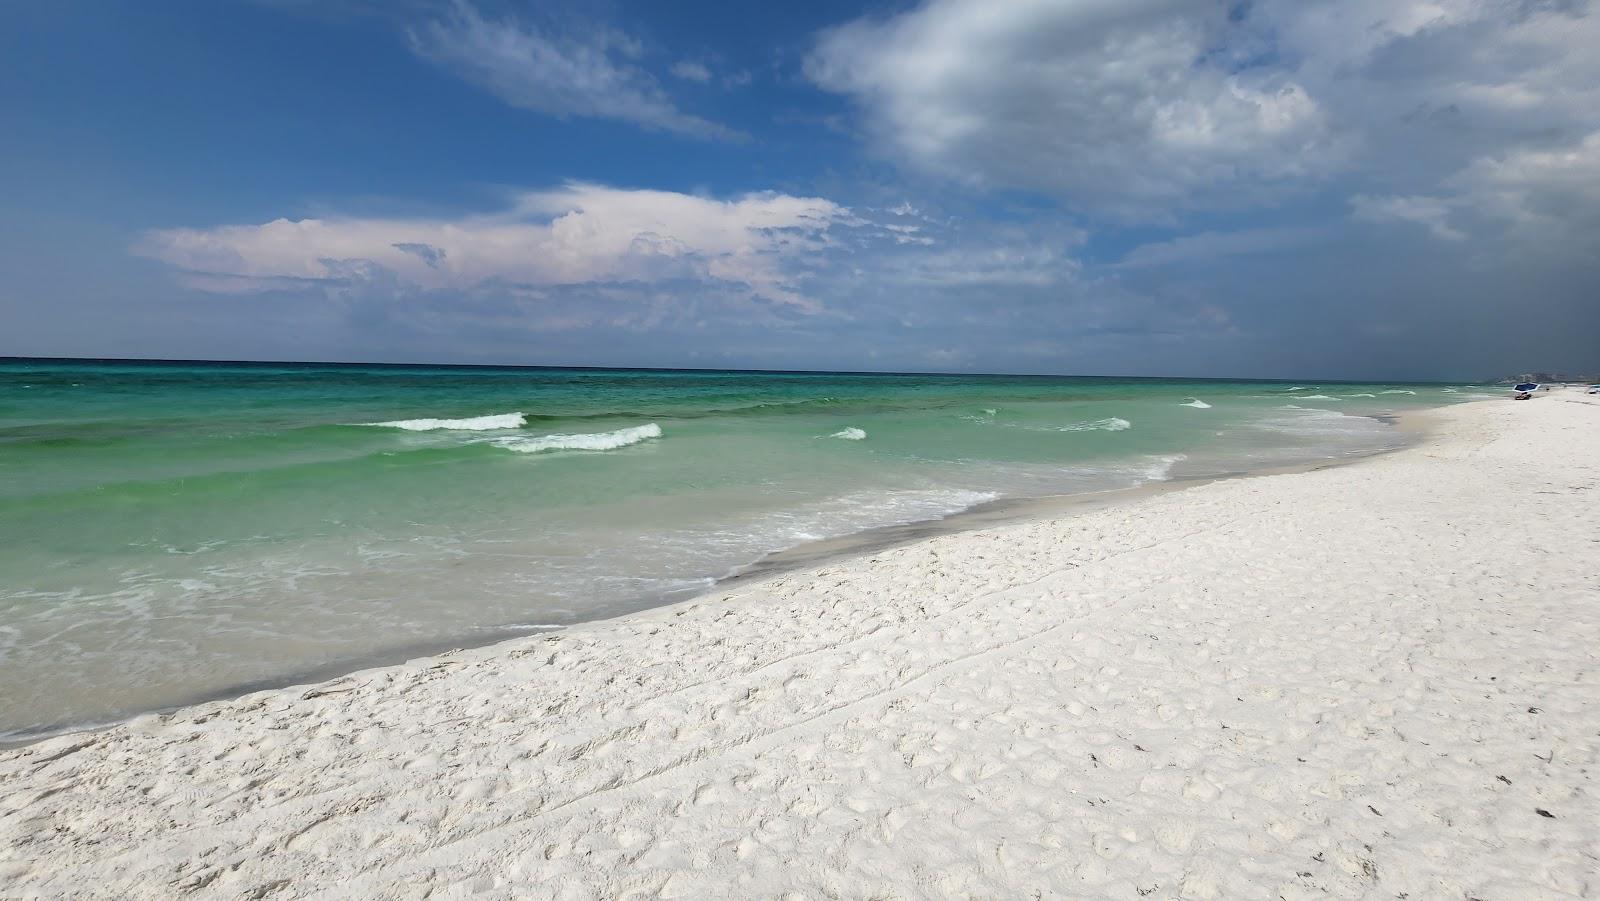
(754, 371)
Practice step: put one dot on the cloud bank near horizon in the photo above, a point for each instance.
(755, 277)
(578, 234)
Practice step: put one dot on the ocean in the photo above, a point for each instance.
(176, 531)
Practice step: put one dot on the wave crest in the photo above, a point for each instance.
(850, 433)
(474, 424)
(1197, 403)
(1112, 424)
(597, 441)
(1160, 468)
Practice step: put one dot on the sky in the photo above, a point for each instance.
(1384, 189)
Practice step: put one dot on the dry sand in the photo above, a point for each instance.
(1380, 680)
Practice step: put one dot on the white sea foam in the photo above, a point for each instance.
(849, 434)
(1362, 395)
(859, 511)
(1160, 468)
(1399, 391)
(1323, 424)
(597, 441)
(1315, 397)
(1112, 424)
(475, 424)
(1299, 388)
(990, 411)
(1197, 403)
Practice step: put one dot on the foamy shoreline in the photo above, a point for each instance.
(1361, 680)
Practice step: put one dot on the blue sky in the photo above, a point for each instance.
(1395, 189)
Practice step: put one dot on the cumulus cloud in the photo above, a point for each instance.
(1545, 188)
(647, 277)
(1545, 199)
(589, 260)
(579, 234)
(1123, 107)
(1429, 212)
(593, 74)
(1427, 88)
(1146, 109)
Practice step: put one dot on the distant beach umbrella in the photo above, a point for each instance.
(1526, 386)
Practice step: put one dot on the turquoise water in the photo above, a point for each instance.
(172, 531)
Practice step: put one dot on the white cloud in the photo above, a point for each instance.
(1549, 198)
(1147, 108)
(1118, 106)
(1346, 34)
(1426, 86)
(1013, 263)
(580, 234)
(1524, 182)
(1429, 212)
(596, 74)
(689, 70)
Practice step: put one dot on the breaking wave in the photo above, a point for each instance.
(1197, 403)
(598, 441)
(1160, 468)
(1321, 423)
(474, 424)
(849, 434)
(1113, 424)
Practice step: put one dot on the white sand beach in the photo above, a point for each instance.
(1377, 680)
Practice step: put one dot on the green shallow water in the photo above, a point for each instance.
(173, 531)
